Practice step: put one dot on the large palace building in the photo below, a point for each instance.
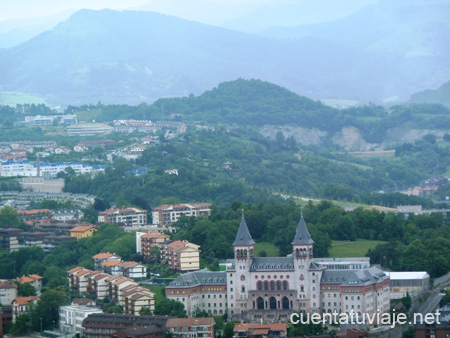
(272, 288)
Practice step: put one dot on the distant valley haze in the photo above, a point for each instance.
(138, 51)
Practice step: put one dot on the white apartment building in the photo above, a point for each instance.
(46, 169)
(170, 213)
(71, 317)
(128, 216)
(89, 129)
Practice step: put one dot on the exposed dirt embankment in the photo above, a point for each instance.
(349, 138)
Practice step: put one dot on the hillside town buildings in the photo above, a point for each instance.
(45, 169)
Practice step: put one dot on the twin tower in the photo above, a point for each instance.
(271, 288)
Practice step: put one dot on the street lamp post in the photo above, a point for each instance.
(41, 325)
(53, 325)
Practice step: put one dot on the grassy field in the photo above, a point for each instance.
(269, 248)
(357, 165)
(380, 153)
(358, 248)
(13, 98)
(339, 103)
(157, 290)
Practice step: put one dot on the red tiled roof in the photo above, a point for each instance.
(25, 300)
(128, 264)
(111, 263)
(181, 322)
(24, 280)
(154, 235)
(35, 211)
(75, 269)
(34, 276)
(104, 255)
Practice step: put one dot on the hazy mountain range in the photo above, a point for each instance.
(381, 52)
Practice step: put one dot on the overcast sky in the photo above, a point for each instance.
(20, 9)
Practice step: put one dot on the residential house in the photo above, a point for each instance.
(82, 231)
(83, 302)
(22, 305)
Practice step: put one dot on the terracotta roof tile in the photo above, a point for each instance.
(182, 322)
(82, 228)
(104, 255)
(25, 300)
(75, 269)
(111, 263)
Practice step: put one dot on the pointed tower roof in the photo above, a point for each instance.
(302, 235)
(243, 236)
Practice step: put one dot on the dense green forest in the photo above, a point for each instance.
(261, 166)
(257, 103)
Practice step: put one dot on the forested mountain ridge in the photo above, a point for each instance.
(260, 104)
(133, 57)
(440, 95)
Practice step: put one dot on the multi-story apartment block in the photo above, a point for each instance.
(8, 292)
(201, 290)
(71, 317)
(125, 291)
(181, 255)
(35, 214)
(133, 270)
(272, 288)
(103, 257)
(191, 327)
(146, 241)
(98, 285)
(9, 240)
(134, 298)
(111, 267)
(128, 216)
(170, 213)
(77, 279)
